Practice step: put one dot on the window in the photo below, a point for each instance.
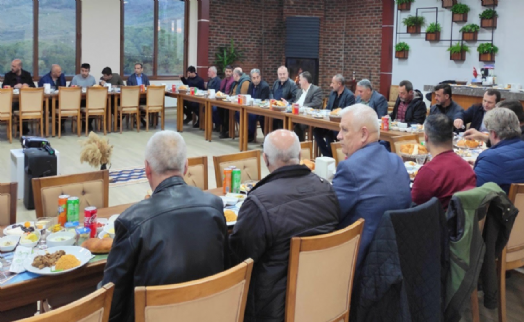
(153, 33)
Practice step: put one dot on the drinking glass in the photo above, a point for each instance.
(420, 159)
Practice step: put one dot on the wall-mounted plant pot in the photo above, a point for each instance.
(414, 29)
(404, 6)
(433, 36)
(489, 57)
(470, 36)
(490, 3)
(448, 3)
(488, 23)
(402, 54)
(458, 56)
(460, 17)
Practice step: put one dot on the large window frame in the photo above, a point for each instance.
(155, 75)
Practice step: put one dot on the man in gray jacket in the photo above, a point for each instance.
(371, 98)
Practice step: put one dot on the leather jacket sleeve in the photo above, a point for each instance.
(419, 113)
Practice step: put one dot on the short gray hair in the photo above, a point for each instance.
(166, 151)
(366, 83)
(363, 115)
(291, 155)
(340, 78)
(213, 68)
(255, 71)
(238, 71)
(504, 122)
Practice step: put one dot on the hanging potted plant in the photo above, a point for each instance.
(448, 3)
(470, 32)
(490, 3)
(458, 52)
(401, 50)
(414, 24)
(404, 5)
(487, 52)
(488, 18)
(433, 32)
(460, 12)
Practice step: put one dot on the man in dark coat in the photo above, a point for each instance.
(214, 84)
(409, 107)
(192, 80)
(475, 114)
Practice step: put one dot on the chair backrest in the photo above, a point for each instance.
(94, 307)
(219, 298)
(398, 141)
(92, 189)
(96, 98)
(31, 100)
(155, 96)
(8, 196)
(248, 162)
(515, 246)
(69, 98)
(320, 275)
(306, 150)
(129, 96)
(336, 151)
(196, 175)
(6, 101)
(393, 93)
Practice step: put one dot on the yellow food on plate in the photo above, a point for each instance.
(335, 112)
(413, 174)
(413, 149)
(67, 262)
(32, 237)
(183, 88)
(468, 144)
(230, 215)
(308, 163)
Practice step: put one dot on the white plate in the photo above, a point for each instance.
(33, 244)
(112, 219)
(6, 229)
(13, 239)
(103, 221)
(81, 253)
(232, 223)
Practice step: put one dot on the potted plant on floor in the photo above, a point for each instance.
(488, 18)
(96, 151)
(448, 3)
(460, 12)
(414, 24)
(401, 50)
(404, 5)
(433, 32)
(487, 52)
(470, 32)
(490, 3)
(458, 52)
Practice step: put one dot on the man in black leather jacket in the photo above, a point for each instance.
(289, 202)
(177, 235)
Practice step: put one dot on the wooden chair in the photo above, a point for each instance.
(130, 104)
(92, 308)
(155, 104)
(320, 275)
(31, 107)
(8, 196)
(397, 141)
(513, 254)
(92, 189)
(220, 298)
(6, 115)
(336, 151)
(393, 95)
(306, 150)
(69, 102)
(196, 175)
(96, 105)
(248, 162)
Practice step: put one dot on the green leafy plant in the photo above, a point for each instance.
(488, 14)
(458, 48)
(470, 28)
(487, 48)
(404, 1)
(434, 27)
(460, 8)
(411, 21)
(402, 46)
(227, 55)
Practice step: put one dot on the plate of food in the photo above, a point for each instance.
(57, 260)
(247, 186)
(231, 215)
(20, 228)
(468, 144)
(412, 174)
(412, 150)
(98, 245)
(30, 239)
(239, 196)
(411, 166)
(334, 116)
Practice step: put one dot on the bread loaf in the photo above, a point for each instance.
(98, 246)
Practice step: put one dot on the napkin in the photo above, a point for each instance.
(22, 253)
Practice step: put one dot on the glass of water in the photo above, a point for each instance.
(420, 159)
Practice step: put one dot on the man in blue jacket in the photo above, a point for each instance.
(371, 98)
(55, 77)
(138, 78)
(503, 163)
(475, 114)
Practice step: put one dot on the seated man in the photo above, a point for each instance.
(192, 80)
(18, 78)
(138, 77)
(258, 89)
(55, 77)
(475, 114)
(225, 87)
(371, 98)
(516, 107)
(213, 83)
(110, 78)
(177, 235)
(83, 79)
(291, 201)
(283, 88)
(340, 96)
(444, 102)
(409, 108)
(447, 172)
(371, 180)
(503, 163)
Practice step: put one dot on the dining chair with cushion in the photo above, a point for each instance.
(130, 104)
(8, 196)
(320, 275)
(96, 105)
(92, 189)
(155, 104)
(336, 151)
(196, 175)
(31, 107)
(393, 95)
(219, 298)
(397, 141)
(306, 150)
(69, 102)
(6, 106)
(248, 162)
(92, 308)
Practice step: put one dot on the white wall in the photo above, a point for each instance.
(193, 33)
(429, 63)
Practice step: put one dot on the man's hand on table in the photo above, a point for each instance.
(473, 134)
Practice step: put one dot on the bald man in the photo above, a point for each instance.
(289, 202)
(55, 77)
(17, 77)
(367, 189)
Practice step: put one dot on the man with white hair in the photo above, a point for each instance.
(177, 235)
(503, 163)
(283, 88)
(289, 202)
(241, 84)
(368, 96)
(371, 180)
(258, 89)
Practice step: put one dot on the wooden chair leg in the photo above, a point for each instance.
(138, 121)
(475, 314)
(87, 121)
(147, 121)
(501, 268)
(10, 130)
(78, 120)
(104, 117)
(42, 126)
(120, 122)
(59, 125)
(163, 118)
